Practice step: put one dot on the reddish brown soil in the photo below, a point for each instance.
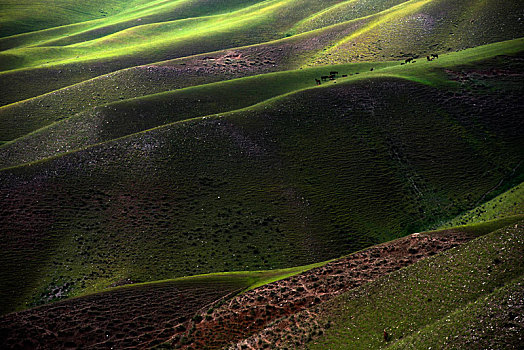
(253, 311)
(137, 317)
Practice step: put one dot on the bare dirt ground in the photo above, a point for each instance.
(131, 318)
(249, 313)
(199, 316)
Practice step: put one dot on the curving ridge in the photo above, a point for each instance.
(444, 26)
(48, 137)
(146, 141)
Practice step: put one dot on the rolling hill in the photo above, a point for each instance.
(175, 145)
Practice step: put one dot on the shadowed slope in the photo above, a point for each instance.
(248, 313)
(436, 293)
(137, 316)
(134, 115)
(119, 119)
(334, 169)
(460, 298)
(211, 307)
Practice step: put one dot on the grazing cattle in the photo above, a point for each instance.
(402, 63)
(324, 77)
(371, 70)
(317, 81)
(408, 60)
(429, 58)
(434, 55)
(344, 75)
(333, 73)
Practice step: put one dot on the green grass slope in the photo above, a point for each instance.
(124, 153)
(296, 180)
(454, 299)
(148, 79)
(138, 114)
(506, 204)
(42, 79)
(30, 15)
(253, 22)
(343, 12)
(422, 27)
(135, 115)
(149, 12)
(372, 37)
(489, 322)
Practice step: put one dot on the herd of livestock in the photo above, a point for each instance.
(333, 74)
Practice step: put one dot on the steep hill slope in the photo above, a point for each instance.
(119, 119)
(295, 180)
(507, 204)
(209, 312)
(150, 142)
(467, 297)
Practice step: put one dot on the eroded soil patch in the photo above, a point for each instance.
(137, 317)
(251, 312)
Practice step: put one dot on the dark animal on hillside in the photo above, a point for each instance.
(429, 58)
(317, 81)
(333, 73)
(434, 55)
(324, 77)
(408, 60)
(344, 75)
(371, 70)
(413, 61)
(402, 63)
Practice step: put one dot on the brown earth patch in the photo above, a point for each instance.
(125, 318)
(252, 312)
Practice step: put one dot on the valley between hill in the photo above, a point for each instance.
(204, 165)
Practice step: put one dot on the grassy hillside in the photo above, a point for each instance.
(27, 16)
(142, 113)
(209, 310)
(337, 169)
(225, 24)
(35, 81)
(270, 305)
(507, 204)
(137, 114)
(421, 27)
(76, 60)
(179, 144)
(450, 300)
(476, 325)
(343, 12)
